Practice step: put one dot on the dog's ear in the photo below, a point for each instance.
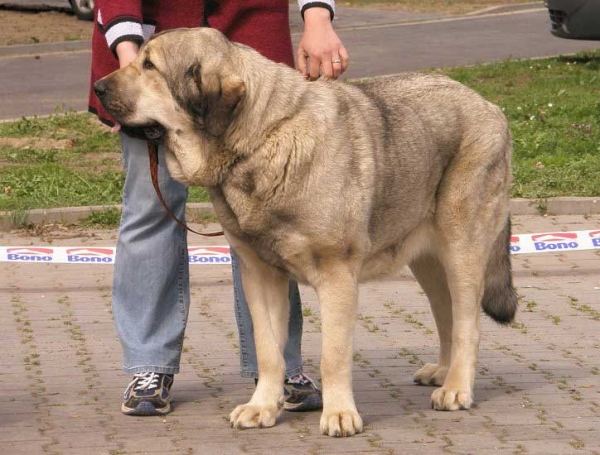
(220, 94)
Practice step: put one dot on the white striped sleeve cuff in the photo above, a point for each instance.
(125, 29)
(327, 4)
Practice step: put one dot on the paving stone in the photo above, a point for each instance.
(537, 386)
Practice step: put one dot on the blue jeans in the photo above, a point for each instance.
(291, 353)
(151, 296)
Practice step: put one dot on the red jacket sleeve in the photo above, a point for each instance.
(121, 20)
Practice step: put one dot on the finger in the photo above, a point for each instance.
(115, 128)
(337, 67)
(314, 65)
(302, 62)
(344, 57)
(327, 69)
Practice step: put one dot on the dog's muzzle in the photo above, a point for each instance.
(152, 132)
(100, 88)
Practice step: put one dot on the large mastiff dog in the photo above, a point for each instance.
(333, 184)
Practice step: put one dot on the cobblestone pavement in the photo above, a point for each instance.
(537, 388)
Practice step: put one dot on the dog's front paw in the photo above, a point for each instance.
(341, 423)
(431, 374)
(252, 416)
(451, 399)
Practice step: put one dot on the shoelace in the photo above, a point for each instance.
(144, 381)
(300, 379)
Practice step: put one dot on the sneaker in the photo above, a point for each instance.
(302, 394)
(148, 395)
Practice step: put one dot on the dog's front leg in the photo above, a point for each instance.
(266, 290)
(338, 296)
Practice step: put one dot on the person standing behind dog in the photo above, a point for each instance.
(151, 276)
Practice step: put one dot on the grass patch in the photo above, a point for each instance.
(108, 218)
(13, 155)
(64, 160)
(553, 119)
(71, 159)
(55, 185)
(82, 132)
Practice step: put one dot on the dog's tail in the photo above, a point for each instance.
(499, 297)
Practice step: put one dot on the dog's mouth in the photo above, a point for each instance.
(152, 132)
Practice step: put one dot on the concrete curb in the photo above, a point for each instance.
(18, 50)
(556, 206)
(506, 8)
(71, 215)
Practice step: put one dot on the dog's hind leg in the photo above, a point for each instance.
(465, 272)
(266, 290)
(430, 274)
(337, 289)
(471, 211)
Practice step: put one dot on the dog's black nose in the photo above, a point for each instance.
(100, 88)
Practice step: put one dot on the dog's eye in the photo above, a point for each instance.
(148, 65)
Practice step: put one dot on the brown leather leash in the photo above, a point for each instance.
(153, 156)
(151, 133)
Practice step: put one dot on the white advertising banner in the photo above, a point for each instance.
(548, 242)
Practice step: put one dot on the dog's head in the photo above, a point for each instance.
(183, 72)
(211, 100)
(183, 86)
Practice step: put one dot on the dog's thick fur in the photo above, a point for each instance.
(332, 184)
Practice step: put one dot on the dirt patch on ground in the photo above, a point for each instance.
(49, 232)
(100, 162)
(35, 143)
(104, 156)
(48, 27)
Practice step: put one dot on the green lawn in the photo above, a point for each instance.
(553, 108)
(552, 105)
(71, 160)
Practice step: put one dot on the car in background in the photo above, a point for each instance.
(83, 9)
(574, 19)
